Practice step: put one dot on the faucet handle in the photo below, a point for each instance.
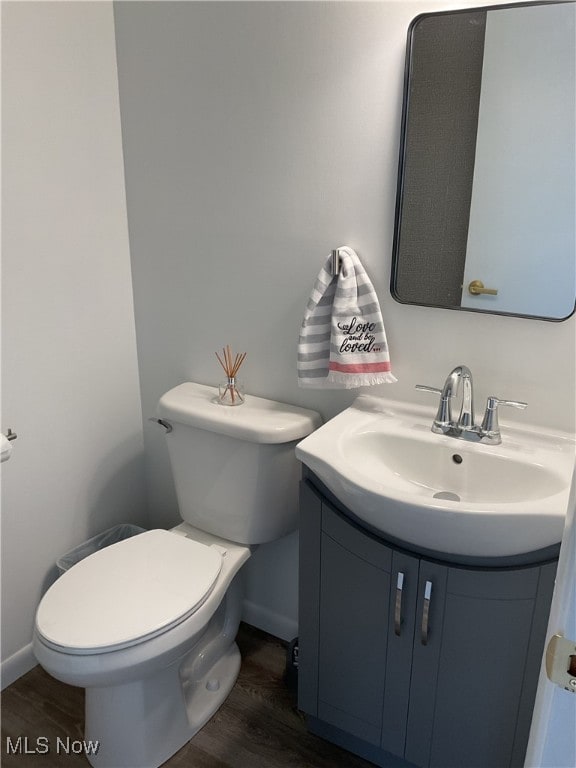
(426, 388)
(443, 419)
(512, 403)
(490, 420)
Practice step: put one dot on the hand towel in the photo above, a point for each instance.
(342, 339)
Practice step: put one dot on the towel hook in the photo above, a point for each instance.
(335, 261)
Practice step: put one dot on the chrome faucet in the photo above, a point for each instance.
(465, 428)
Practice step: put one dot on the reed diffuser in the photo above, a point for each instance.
(230, 391)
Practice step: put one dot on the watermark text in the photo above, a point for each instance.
(43, 745)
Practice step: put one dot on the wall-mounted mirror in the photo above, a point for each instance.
(486, 207)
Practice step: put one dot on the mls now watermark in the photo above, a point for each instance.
(42, 745)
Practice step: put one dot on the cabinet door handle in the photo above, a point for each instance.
(398, 604)
(426, 612)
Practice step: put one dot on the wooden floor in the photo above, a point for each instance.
(257, 727)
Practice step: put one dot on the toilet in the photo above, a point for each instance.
(148, 625)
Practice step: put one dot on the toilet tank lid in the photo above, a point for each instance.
(257, 420)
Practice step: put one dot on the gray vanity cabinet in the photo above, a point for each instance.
(410, 661)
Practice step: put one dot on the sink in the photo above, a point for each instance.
(380, 459)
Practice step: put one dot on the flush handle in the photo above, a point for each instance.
(398, 604)
(426, 613)
(476, 288)
(166, 424)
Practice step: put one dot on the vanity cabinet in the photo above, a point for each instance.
(407, 660)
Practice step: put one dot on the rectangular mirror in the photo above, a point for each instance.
(486, 204)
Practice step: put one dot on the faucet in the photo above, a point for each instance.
(465, 428)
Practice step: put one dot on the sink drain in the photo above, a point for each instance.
(448, 495)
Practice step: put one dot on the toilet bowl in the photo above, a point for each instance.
(150, 686)
(148, 624)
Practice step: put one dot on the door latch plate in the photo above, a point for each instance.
(561, 662)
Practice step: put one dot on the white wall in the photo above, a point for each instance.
(69, 369)
(257, 137)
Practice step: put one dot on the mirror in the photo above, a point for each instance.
(486, 204)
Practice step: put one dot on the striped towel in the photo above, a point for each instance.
(342, 340)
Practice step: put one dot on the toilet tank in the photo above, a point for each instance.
(234, 467)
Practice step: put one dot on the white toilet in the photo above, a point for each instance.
(148, 625)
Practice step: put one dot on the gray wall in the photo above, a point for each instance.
(69, 370)
(258, 136)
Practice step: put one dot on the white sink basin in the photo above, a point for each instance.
(381, 460)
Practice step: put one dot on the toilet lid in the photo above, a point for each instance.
(128, 592)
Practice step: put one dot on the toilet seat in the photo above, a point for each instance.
(127, 593)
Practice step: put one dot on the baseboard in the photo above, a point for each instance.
(263, 618)
(17, 665)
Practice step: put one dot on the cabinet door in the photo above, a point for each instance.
(487, 626)
(428, 643)
(401, 620)
(309, 598)
(354, 594)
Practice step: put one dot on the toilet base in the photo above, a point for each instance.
(141, 724)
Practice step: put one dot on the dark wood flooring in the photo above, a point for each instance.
(257, 727)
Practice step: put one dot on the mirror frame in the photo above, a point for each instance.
(402, 160)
